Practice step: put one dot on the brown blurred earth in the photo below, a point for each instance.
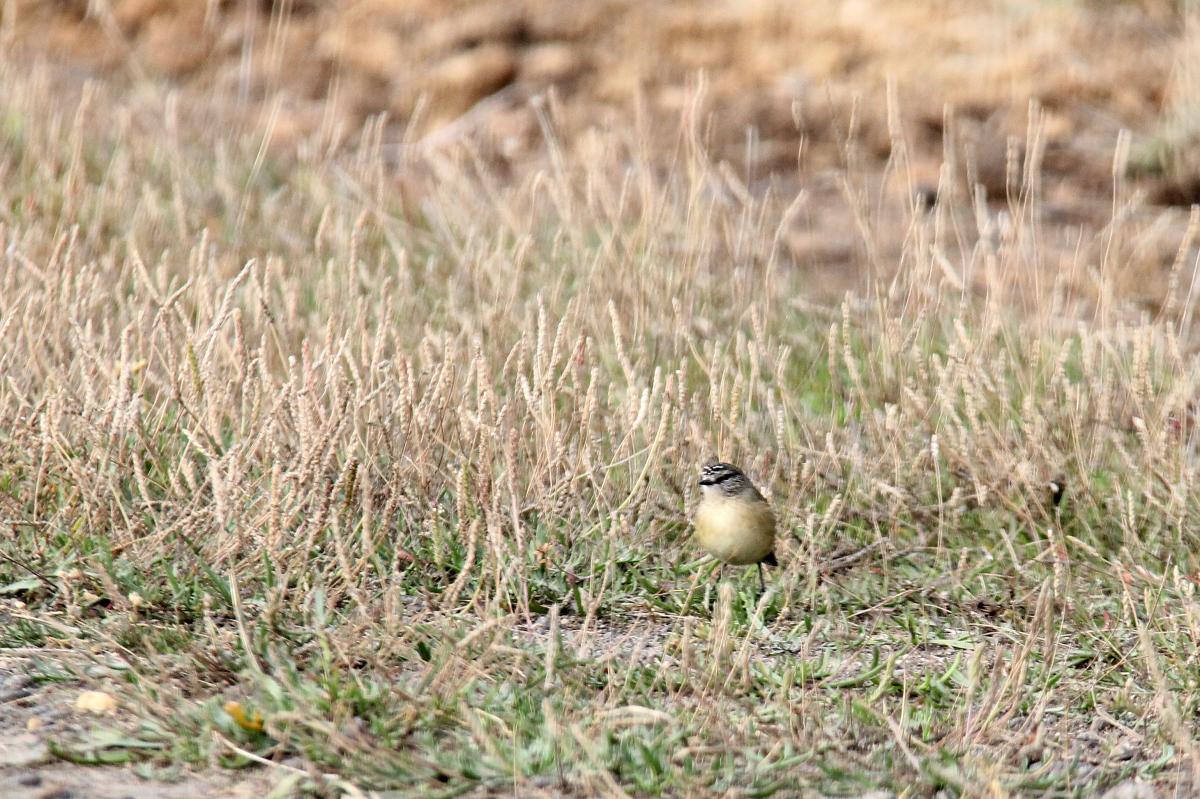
(799, 93)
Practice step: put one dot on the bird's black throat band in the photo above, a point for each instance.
(721, 478)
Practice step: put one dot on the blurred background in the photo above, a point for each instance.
(794, 96)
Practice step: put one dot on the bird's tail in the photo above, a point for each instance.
(770, 559)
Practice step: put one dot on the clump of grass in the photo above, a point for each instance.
(410, 481)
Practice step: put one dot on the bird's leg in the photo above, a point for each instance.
(762, 585)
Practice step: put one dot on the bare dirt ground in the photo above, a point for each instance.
(842, 102)
(804, 78)
(38, 696)
(1092, 66)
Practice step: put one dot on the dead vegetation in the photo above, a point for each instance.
(393, 449)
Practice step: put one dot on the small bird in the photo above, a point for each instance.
(733, 522)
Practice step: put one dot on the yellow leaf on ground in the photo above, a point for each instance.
(251, 720)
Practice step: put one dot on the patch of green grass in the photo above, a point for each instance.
(22, 633)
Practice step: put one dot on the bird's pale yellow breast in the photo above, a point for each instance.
(735, 530)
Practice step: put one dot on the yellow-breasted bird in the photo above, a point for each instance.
(733, 522)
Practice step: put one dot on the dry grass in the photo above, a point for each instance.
(407, 472)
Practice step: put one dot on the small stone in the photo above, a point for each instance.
(375, 51)
(176, 44)
(550, 63)
(34, 724)
(1031, 753)
(1125, 751)
(475, 73)
(95, 702)
(133, 14)
(472, 26)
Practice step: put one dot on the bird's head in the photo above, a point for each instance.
(721, 477)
